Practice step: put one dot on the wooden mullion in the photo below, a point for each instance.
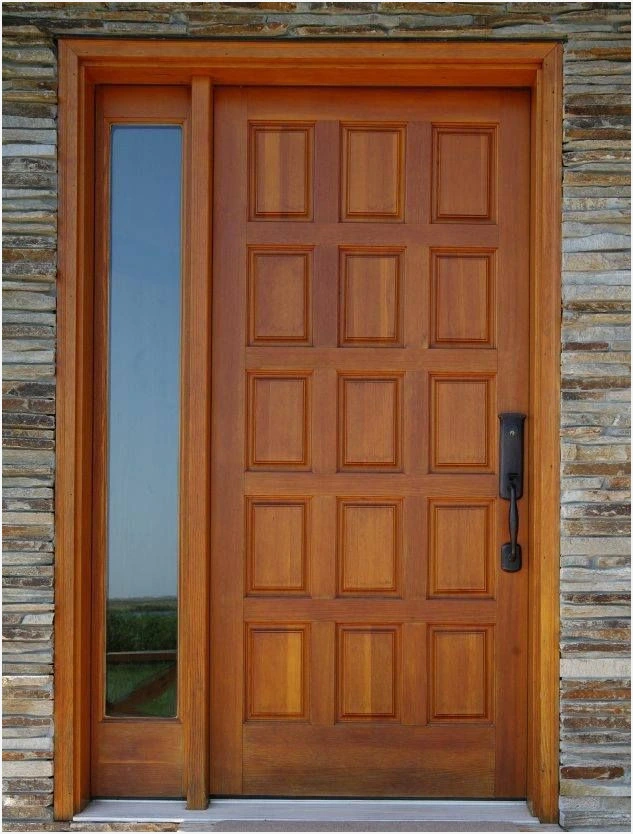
(195, 449)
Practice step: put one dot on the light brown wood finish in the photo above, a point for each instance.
(543, 436)
(358, 64)
(327, 423)
(73, 484)
(85, 62)
(196, 447)
(130, 756)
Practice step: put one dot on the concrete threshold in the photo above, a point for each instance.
(320, 815)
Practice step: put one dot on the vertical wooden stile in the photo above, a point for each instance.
(73, 487)
(544, 439)
(196, 425)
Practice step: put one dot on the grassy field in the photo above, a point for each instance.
(124, 679)
(141, 625)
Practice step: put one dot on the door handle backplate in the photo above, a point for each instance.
(511, 482)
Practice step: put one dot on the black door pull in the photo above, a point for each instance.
(511, 483)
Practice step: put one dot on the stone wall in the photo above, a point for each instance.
(595, 687)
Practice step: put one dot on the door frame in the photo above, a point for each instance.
(84, 63)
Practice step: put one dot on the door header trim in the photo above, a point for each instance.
(295, 63)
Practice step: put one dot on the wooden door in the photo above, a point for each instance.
(370, 321)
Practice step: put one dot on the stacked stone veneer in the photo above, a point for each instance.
(595, 687)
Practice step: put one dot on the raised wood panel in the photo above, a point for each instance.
(462, 298)
(368, 547)
(369, 424)
(461, 543)
(281, 170)
(278, 419)
(370, 296)
(277, 546)
(372, 172)
(280, 295)
(464, 173)
(462, 423)
(368, 673)
(277, 672)
(461, 673)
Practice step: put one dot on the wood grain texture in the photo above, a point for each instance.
(394, 634)
(370, 296)
(280, 295)
(370, 421)
(464, 173)
(463, 308)
(73, 479)
(332, 761)
(229, 453)
(278, 677)
(369, 546)
(513, 341)
(368, 673)
(85, 62)
(196, 482)
(543, 440)
(279, 416)
(460, 549)
(462, 422)
(137, 753)
(312, 64)
(281, 170)
(372, 171)
(461, 673)
(278, 537)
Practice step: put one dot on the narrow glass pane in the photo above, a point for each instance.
(143, 421)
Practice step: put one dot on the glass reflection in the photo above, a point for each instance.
(143, 421)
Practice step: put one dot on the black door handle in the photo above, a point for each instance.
(511, 483)
(513, 520)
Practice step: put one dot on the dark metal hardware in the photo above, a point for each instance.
(511, 483)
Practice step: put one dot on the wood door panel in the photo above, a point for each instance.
(278, 416)
(370, 191)
(370, 296)
(460, 673)
(462, 422)
(369, 545)
(280, 295)
(278, 682)
(367, 335)
(462, 298)
(352, 760)
(368, 672)
(464, 173)
(369, 425)
(460, 552)
(278, 546)
(281, 171)
(124, 771)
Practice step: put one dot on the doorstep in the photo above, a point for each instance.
(319, 815)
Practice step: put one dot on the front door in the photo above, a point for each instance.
(370, 322)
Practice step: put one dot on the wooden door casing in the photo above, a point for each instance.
(371, 314)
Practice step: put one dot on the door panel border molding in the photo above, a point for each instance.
(85, 63)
